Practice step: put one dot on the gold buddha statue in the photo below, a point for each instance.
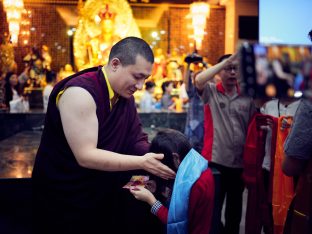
(99, 46)
(174, 65)
(159, 68)
(101, 24)
(7, 59)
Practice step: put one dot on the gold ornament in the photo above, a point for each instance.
(7, 62)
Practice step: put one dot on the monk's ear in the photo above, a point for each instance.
(176, 160)
(115, 63)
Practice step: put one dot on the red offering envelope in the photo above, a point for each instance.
(137, 180)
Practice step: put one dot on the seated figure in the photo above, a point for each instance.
(174, 65)
(99, 46)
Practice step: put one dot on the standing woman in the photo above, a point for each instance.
(12, 91)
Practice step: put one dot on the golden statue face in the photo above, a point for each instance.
(68, 68)
(107, 25)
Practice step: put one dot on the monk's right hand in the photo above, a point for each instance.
(152, 164)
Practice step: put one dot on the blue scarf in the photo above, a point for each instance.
(189, 171)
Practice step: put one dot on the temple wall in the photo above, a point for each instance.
(50, 29)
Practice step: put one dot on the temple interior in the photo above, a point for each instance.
(62, 37)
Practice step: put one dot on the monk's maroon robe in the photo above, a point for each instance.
(66, 195)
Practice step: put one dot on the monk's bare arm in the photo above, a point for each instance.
(80, 124)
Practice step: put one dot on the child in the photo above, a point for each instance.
(166, 101)
(147, 102)
(191, 194)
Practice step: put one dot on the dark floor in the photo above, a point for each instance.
(18, 154)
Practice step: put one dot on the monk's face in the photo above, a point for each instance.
(132, 77)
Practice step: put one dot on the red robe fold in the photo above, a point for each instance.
(258, 210)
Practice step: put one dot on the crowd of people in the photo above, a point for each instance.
(15, 88)
(78, 178)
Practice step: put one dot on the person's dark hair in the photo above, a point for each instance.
(149, 85)
(164, 85)
(169, 141)
(50, 76)
(127, 49)
(7, 77)
(223, 57)
(310, 35)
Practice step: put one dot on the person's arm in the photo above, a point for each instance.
(207, 75)
(157, 208)
(201, 204)
(293, 166)
(24, 76)
(298, 144)
(277, 67)
(252, 109)
(160, 211)
(187, 76)
(172, 105)
(80, 124)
